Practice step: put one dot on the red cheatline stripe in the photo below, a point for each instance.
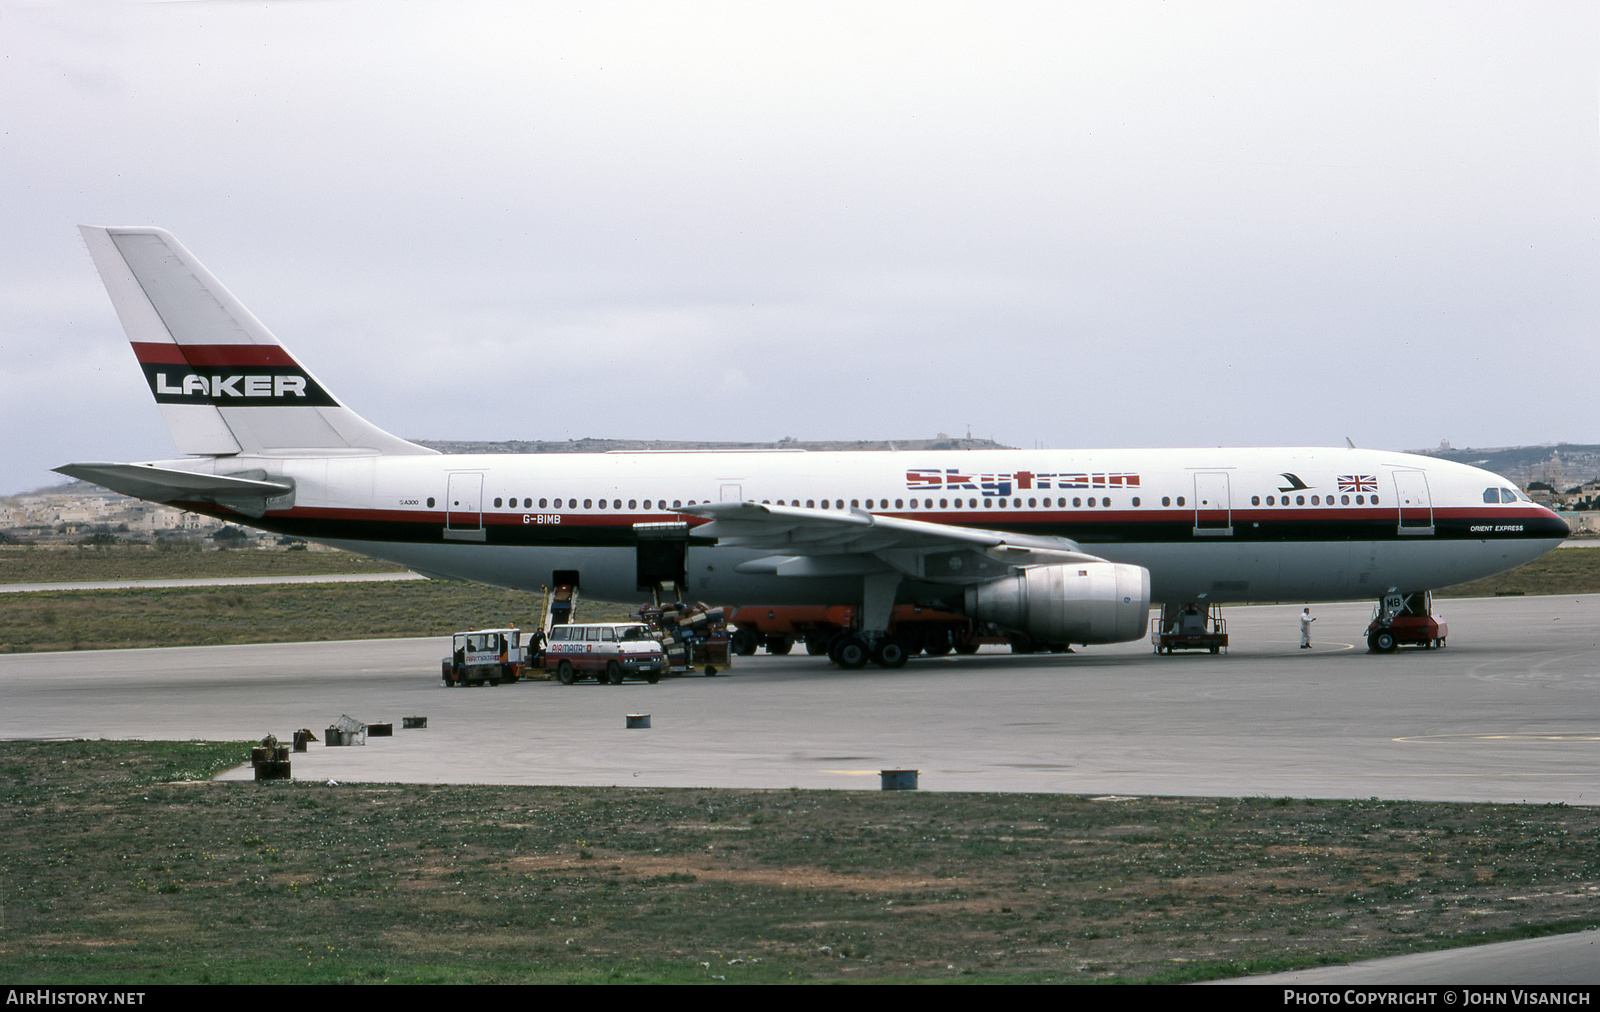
(150, 353)
(200, 356)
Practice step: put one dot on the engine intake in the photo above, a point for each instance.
(1093, 602)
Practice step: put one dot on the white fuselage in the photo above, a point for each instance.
(1258, 524)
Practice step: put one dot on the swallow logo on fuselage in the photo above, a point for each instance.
(1295, 484)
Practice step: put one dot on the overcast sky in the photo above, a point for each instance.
(1060, 224)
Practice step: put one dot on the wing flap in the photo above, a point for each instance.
(942, 553)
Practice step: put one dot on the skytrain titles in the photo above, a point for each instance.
(930, 478)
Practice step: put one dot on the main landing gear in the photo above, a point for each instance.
(1405, 620)
(852, 650)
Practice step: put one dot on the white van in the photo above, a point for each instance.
(604, 650)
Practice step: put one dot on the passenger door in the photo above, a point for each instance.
(1414, 502)
(1213, 510)
(463, 507)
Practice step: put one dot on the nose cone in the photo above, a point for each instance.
(1550, 525)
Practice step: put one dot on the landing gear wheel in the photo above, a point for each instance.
(890, 653)
(565, 673)
(852, 653)
(833, 646)
(614, 673)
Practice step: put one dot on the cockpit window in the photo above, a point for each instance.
(1491, 495)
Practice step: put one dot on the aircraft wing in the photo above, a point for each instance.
(812, 542)
(164, 484)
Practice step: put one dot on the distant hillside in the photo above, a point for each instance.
(589, 445)
(1562, 465)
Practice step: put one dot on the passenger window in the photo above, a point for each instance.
(1271, 501)
(1136, 500)
(1002, 503)
(898, 504)
(1374, 500)
(1077, 501)
(1361, 500)
(1106, 501)
(1255, 500)
(496, 502)
(988, 503)
(1315, 501)
(430, 502)
(631, 503)
(1180, 500)
(1091, 502)
(811, 504)
(1299, 500)
(1344, 500)
(855, 503)
(1166, 500)
(838, 504)
(602, 504)
(588, 504)
(944, 503)
(677, 503)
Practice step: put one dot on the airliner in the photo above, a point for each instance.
(1063, 546)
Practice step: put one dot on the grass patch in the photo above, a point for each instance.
(1563, 571)
(200, 616)
(114, 873)
(36, 564)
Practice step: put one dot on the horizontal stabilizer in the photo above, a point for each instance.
(162, 484)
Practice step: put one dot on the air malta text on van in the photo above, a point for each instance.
(228, 375)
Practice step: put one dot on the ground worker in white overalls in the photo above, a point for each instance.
(1305, 629)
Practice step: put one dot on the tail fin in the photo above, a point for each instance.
(223, 382)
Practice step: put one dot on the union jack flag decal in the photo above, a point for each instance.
(1358, 483)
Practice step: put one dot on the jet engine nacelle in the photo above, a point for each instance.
(1093, 602)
